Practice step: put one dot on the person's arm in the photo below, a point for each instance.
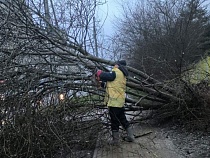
(103, 84)
(107, 76)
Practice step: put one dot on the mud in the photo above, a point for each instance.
(192, 143)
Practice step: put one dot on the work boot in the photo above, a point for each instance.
(130, 136)
(115, 138)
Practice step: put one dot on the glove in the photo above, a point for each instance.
(98, 73)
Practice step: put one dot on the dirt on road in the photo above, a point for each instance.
(150, 143)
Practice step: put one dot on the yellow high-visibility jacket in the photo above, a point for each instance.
(115, 90)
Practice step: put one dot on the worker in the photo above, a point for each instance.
(115, 84)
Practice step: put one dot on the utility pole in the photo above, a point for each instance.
(47, 15)
(95, 36)
(52, 6)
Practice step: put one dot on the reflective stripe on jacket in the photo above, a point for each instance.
(115, 90)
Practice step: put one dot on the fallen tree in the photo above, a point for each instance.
(44, 63)
(47, 84)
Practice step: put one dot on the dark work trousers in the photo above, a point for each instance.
(118, 118)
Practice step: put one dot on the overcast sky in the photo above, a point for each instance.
(107, 13)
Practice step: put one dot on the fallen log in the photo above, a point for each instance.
(160, 94)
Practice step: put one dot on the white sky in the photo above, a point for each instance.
(107, 14)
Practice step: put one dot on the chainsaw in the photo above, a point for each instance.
(96, 82)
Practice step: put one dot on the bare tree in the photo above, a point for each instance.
(164, 36)
(164, 39)
(46, 53)
(40, 61)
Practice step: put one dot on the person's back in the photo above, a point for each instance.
(116, 89)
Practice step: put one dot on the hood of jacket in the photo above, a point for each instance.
(124, 70)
